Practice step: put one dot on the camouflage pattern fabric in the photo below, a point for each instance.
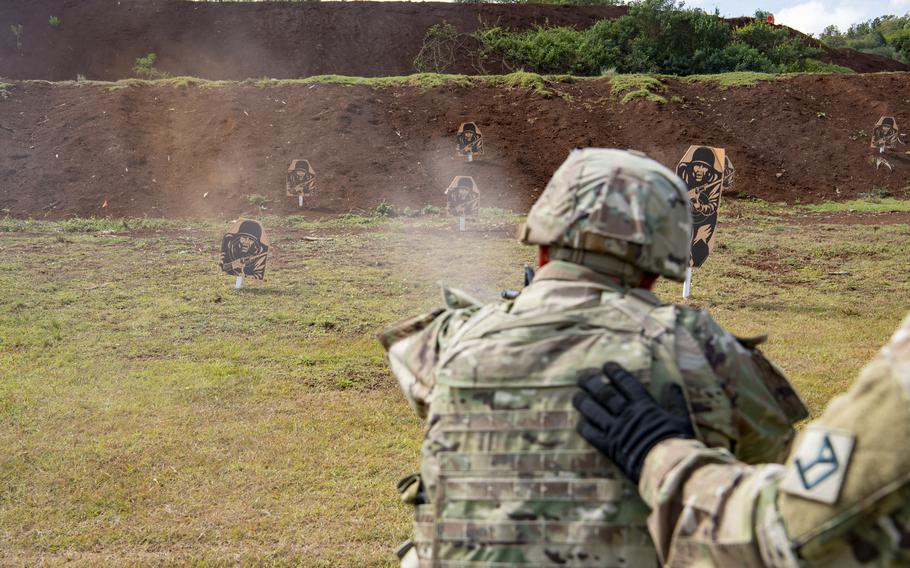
(505, 480)
(711, 510)
(616, 203)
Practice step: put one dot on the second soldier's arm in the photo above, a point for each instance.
(764, 405)
(843, 497)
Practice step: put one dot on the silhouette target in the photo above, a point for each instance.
(706, 172)
(462, 196)
(245, 249)
(301, 178)
(470, 139)
(886, 133)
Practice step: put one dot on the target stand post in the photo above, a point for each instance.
(461, 222)
(300, 200)
(238, 283)
(687, 285)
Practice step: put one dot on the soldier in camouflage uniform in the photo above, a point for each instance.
(842, 499)
(505, 479)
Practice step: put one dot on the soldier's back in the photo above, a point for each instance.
(507, 478)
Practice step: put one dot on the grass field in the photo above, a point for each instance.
(149, 413)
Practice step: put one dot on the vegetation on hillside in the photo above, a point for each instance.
(886, 35)
(656, 36)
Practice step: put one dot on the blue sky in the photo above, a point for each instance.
(809, 16)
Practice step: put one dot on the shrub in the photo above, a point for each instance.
(259, 201)
(738, 57)
(885, 35)
(656, 36)
(900, 41)
(54, 22)
(542, 49)
(145, 68)
(440, 46)
(384, 210)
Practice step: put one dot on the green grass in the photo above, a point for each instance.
(631, 87)
(4, 90)
(151, 414)
(868, 205)
(728, 80)
(88, 225)
(519, 79)
(625, 87)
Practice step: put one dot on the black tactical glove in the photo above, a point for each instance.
(621, 419)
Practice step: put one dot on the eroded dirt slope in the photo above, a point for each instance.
(158, 150)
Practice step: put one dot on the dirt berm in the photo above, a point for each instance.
(101, 39)
(163, 150)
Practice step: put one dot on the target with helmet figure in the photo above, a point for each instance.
(301, 180)
(886, 134)
(244, 251)
(707, 172)
(470, 140)
(462, 199)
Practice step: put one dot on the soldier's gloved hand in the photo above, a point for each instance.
(621, 418)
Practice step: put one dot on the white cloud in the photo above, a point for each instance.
(813, 17)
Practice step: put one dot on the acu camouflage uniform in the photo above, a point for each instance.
(710, 510)
(505, 480)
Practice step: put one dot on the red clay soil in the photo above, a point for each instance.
(101, 39)
(158, 150)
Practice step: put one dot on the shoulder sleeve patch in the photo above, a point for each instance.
(817, 468)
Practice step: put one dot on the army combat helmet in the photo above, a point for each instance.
(617, 212)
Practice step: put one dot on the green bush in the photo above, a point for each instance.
(656, 36)
(144, 68)
(54, 22)
(887, 36)
(900, 41)
(544, 50)
(384, 210)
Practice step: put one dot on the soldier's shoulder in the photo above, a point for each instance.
(456, 299)
(695, 319)
(705, 329)
(408, 327)
(458, 307)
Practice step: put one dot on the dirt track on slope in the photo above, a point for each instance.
(158, 150)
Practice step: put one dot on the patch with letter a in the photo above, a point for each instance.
(820, 464)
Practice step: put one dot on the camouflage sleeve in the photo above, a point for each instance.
(413, 346)
(765, 405)
(708, 506)
(842, 498)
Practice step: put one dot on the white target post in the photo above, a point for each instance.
(461, 222)
(238, 283)
(687, 285)
(300, 201)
